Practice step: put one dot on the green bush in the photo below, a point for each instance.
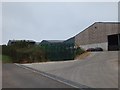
(22, 52)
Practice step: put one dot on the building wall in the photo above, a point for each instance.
(103, 45)
(96, 35)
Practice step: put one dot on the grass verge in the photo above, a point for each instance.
(5, 59)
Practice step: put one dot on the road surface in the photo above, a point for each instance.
(17, 77)
(99, 70)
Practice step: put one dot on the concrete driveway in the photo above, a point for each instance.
(98, 70)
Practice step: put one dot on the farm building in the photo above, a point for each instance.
(12, 42)
(100, 34)
(58, 49)
(105, 35)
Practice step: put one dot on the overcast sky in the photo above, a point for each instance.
(52, 21)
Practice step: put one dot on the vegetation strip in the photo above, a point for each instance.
(25, 52)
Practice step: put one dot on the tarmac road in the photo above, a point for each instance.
(14, 76)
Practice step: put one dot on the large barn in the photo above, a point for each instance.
(100, 34)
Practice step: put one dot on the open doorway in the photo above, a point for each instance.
(114, 42)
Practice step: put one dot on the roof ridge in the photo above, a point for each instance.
(109, 22)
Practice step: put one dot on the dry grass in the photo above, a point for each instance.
(83, 56)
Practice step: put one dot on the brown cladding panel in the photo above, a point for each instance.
(96, 33)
